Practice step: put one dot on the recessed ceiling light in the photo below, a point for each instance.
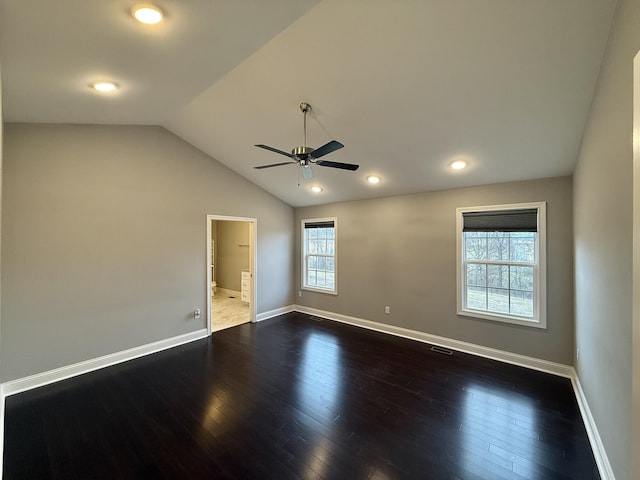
(104, 87)
(373, 179)
(316, 188)
(458, 165)
(149, 14)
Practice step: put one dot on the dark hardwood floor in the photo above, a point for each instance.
(297, 397)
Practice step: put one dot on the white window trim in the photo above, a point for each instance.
(303, 256)
(540, 268)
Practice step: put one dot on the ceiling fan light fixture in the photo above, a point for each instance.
(316, 189)
(307, 172)
(373, 179)
(147, 14)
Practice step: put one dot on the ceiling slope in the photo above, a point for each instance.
(406, 85)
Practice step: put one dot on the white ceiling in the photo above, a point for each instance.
(406, 85)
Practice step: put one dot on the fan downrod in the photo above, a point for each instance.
(302, 153)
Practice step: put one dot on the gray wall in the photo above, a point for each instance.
(401, 252)
(104, 241)
(635, 412)
(232, 257)
(603, 192)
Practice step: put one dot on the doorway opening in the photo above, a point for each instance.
(231, 261)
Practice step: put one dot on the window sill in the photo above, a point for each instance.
(320, 290)
(532, 323)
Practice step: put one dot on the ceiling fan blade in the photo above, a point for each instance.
(274, 165)
(267, 147)
(343, 166)
(327, 148)
(307, 173)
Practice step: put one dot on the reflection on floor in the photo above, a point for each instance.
(227, 311)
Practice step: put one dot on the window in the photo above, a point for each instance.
(501, 263)
(319, 255)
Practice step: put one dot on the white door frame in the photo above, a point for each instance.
(253, 241)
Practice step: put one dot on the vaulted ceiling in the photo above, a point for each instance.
(406, 85)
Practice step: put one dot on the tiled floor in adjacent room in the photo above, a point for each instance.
(228, 311)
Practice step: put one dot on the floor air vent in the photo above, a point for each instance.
(444, 351)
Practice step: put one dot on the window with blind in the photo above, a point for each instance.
(319, 255)
(501, 263)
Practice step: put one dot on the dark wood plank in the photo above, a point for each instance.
(296, 397)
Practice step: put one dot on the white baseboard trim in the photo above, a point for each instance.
(38, 380)
(503, 356)
(600, 454)
(559, 369)
(226, 291)
(62, 373)
(274, 313)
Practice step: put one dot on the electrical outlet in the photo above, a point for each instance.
(577, 353)
(387, 310)
(300, 293)
(196, 313)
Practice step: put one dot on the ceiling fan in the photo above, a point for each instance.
(307, 156)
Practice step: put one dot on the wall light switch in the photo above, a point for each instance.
(196, 313)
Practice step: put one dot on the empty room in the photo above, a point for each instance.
(320, 239)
